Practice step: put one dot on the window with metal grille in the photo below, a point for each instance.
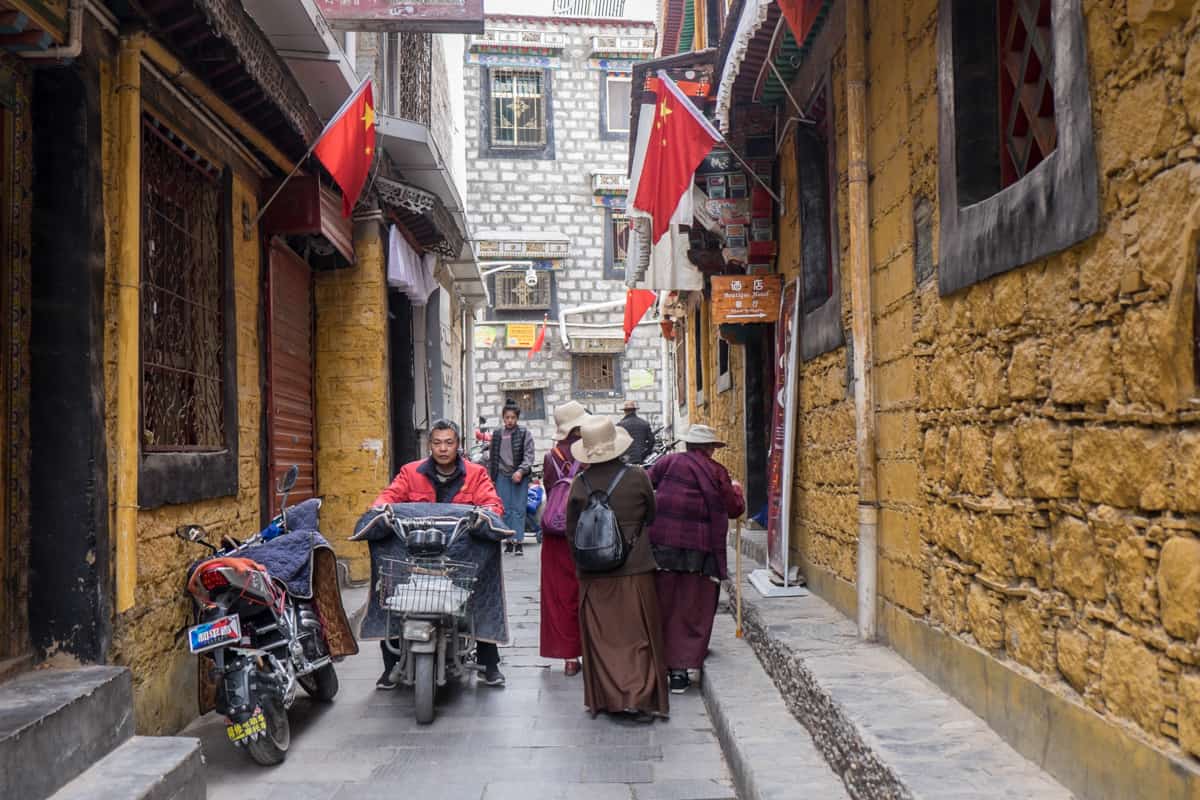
(532, 402)
(1027, 133)
(596, 375)
(813, 164)
(616, 244)
(183, 297)
(518, 108)
(514, 294)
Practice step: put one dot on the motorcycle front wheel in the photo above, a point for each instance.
(424, 686)
(321, 684)
(271, 747)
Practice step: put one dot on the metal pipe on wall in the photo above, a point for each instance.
(861, 321)
(129, 113)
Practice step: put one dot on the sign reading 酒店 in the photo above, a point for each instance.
(742, 299)
(430, 16)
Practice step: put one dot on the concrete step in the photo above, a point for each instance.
(881, 725)
(770, 754)
(144, 768)
(54, 724)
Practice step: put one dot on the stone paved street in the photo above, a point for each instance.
(531, 740)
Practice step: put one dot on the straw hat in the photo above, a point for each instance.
(631, 405)
(567, 417)
(701, 434)
(600, 441)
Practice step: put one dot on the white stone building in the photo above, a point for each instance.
(547, 121)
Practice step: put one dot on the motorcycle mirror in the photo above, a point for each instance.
(191, 533)
(288, 481)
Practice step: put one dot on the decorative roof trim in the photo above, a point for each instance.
(753, 17)
(631, 47)
(400, 196)
(230, 21)
(523, 41)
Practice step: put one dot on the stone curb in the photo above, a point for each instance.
(835, 735)
(770, 754)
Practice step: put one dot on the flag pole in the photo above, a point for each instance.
(337, 115)
(675, 90)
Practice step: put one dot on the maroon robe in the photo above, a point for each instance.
(560, 585)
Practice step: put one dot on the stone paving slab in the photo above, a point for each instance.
(771, 755)
(881, 725)
(532, 740)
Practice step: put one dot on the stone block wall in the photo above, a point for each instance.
(1037, 436)
(556, 195)
(351, 380)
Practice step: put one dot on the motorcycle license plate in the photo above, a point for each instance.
(217, 633)
(238, 732)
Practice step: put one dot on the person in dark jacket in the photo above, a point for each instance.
(624, 663)
(511, 464)
(639, 430)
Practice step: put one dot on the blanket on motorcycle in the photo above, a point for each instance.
(488, 608)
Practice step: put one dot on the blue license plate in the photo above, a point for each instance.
(217, 633)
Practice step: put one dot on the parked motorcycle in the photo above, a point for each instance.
(427, 597)
(262, 641)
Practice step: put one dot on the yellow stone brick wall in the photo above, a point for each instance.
(164, 673)
(723, 410)
(1037, 443)
(353, 422)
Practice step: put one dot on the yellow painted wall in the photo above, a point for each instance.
(1038, 447)
(353, 423)
(164, 672)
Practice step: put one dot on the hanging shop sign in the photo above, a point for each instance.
(781, 457)
(429, 16)
(746, 298)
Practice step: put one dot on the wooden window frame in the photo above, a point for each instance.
(986, 229)
(614, 270)
(535, 409)
(517, 278)
(577, 389)
(607, 131)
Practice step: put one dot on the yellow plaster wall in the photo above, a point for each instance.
(164, 673)
(353, 423)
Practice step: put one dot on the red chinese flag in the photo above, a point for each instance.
(539, 341)
(679, 140)
(637, 303)
(347, 146)
(800, 16)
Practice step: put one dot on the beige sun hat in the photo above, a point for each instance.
(567, 417)
(701, 434)
(600, 441)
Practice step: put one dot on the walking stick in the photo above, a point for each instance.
(738, 543)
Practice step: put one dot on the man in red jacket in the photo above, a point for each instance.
(444, 477)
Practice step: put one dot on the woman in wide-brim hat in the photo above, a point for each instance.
(560, 587)
(620, 629)
(696, 499)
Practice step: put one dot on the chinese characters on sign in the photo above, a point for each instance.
(746, 298)
(521, 335)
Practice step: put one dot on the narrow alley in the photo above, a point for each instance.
(531, 739)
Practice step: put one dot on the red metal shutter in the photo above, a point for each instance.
(291, 355)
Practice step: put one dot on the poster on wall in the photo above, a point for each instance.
(428, 16)
(781, 457)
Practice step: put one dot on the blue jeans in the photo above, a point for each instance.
(514, 496)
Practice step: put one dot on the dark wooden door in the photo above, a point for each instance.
(291, 359)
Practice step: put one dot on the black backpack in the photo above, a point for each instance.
(599, 545)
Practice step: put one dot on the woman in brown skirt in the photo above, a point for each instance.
(624, 670)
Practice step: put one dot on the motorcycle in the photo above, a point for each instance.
(263, 642)
(427, 600)
(663, 443)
